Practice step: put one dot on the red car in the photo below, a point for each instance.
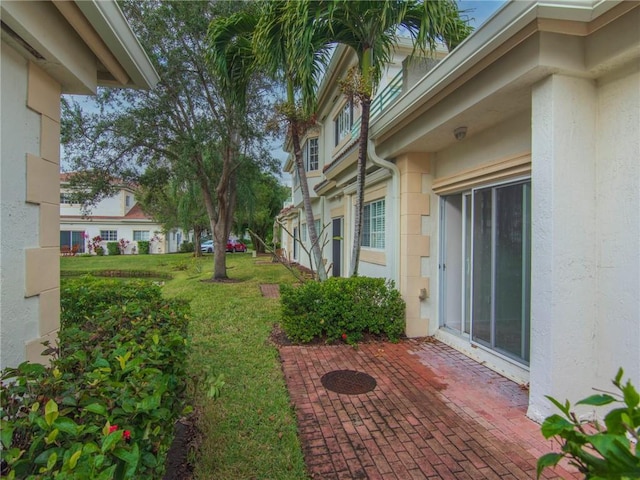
(236, 246)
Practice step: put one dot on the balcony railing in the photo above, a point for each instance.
(383, 100)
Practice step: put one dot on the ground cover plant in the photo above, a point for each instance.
(250, 430)
(608, 451)
(342, 308)
(106, 406)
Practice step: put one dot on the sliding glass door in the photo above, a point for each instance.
(486, 266)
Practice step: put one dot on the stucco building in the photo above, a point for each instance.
(115, 218)
(502, 194)
(48, 48)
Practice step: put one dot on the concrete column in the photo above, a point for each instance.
(563, 283)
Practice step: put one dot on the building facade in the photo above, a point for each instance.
(503, 194)
(118, 218)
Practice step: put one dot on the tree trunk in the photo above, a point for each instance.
(360, 184)
(226, 198)
(306, 198)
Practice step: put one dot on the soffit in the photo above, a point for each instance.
(496, 86)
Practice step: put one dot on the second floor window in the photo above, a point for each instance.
(109, 235)
(344, 122)
(310, 155)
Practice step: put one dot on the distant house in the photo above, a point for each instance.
(48, 48)
(502, 193)
(116, 218)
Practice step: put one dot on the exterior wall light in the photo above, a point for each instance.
(460, 133)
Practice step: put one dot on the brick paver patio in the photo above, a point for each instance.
(434, 414)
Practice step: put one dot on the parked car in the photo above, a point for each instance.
(207, 246)
(236, 246)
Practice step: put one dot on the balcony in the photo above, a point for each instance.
(382, 100)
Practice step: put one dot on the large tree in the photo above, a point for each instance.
(188, 121)
(372, 28)
(173, 202)
(260, 199)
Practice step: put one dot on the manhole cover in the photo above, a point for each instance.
(348, 382)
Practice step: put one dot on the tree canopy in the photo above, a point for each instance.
(190, 124)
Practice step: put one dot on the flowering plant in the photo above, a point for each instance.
(122, 245)
(95, 245)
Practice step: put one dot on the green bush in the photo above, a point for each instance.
(113, 248)
(609, 452)
(186, 247)
(143, 247)
(342, 308)
(107, 405)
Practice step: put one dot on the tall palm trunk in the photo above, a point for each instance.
(360, 184)
(316, 250)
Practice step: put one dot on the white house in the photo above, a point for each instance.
(114, 219)
(48, 48)
(503, 194)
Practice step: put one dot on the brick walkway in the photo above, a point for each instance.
(434, 414)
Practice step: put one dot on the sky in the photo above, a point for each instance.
(478, 11)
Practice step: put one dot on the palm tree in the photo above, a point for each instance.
(296, 59)
(371, 28)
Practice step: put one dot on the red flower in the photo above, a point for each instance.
(344, 336)
(113, 428)
(127, 435)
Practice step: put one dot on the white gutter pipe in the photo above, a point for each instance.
(395, 178)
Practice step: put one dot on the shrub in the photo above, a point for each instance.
(598, 452)
(186, 247)
(143, 247)
(113, 248)
(342, 308)
(107, 405)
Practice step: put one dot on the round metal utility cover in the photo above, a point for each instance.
(348, 382)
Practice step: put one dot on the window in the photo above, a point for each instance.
(66, 198)
(305, 231)
(140, 235)
(109, 235)
(373, 225)
(344, 122)
(310, 155)
(73, 239)
(127, 201)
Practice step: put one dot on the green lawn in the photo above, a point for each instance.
(250, 431)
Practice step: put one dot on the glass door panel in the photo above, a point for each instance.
(500, 296)
(482, 287)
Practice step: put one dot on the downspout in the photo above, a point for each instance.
(395, 179)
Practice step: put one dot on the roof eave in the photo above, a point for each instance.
(109, 22)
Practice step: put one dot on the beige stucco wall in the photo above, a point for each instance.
(509, 138)
(30, 165)
(415, 243)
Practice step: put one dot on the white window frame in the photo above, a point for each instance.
(343, 122)
(141, 235)
(373, 225)
(310, 155)
(109, 235)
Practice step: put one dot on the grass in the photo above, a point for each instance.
(250, 431)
